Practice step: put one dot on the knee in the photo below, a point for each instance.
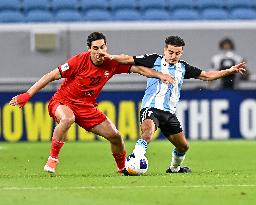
(67, 121)
(115, 138)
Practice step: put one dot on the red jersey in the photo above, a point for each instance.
(83, 80)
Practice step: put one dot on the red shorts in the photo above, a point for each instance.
(86, 116)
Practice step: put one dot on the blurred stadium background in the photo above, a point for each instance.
(38, 35)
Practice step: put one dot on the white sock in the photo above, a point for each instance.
(177, 159)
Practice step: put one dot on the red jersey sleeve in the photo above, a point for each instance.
(122, 68)
(70, 68)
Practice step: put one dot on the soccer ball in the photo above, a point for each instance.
(136, 165)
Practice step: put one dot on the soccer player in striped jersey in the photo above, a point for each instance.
(160, 100)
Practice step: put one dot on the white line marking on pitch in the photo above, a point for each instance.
(124, 187)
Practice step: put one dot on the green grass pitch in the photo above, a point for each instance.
(224, 172)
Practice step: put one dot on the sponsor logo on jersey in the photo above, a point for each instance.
(64, 67)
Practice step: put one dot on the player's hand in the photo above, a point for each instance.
(106, 55)
(20, 100)
(120, 58)
(241, 68)
(167, 79)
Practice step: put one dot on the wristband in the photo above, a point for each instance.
(22, 99)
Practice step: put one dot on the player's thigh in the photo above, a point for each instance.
(106, 129)
(63, 112)
(179, 141)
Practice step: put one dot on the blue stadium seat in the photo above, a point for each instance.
(179, 4)
(36, 5)
(39, 16)
(152, 4)
(156, 14)
(231, 4)
(243, 14)
(123, 4)
(95, 4)
(10, 5)
(185, 14)
(97, 15)
(11, 17)
(68, 15)
(127, 15)
(64, 4)
(207, 4)
(214, 14)
(253, 4)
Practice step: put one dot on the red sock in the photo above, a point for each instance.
(55, 148)
(120, 159)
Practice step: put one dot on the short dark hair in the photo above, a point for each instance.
(94, 37)
(174, 41)
(227, 41)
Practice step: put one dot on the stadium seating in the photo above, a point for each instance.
(97, 15)
(39, 16)
(123, 4)
(64, 4)
(10, 5)
(185, 14)
(36, 5)
(152, 4)
(243, 14)
(68, 15)
(232, 4)
(178, 4)
(209, 4)
(253, 4)
(126, 15)
(105, 10)
(95, 4)
(214, 14)
(11, 17)
(156, 14)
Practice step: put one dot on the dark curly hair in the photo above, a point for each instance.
(174, 41)
(95, 36)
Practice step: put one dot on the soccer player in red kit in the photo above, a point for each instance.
(75, 101)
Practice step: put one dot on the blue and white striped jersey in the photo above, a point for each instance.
(158, 94)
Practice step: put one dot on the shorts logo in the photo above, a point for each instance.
(106, 74)
(146, 113)
(150, 113)
(64, 67)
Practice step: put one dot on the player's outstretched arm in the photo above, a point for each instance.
(23, 98)
(150, 73)
(122, 58)
(216, 74)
